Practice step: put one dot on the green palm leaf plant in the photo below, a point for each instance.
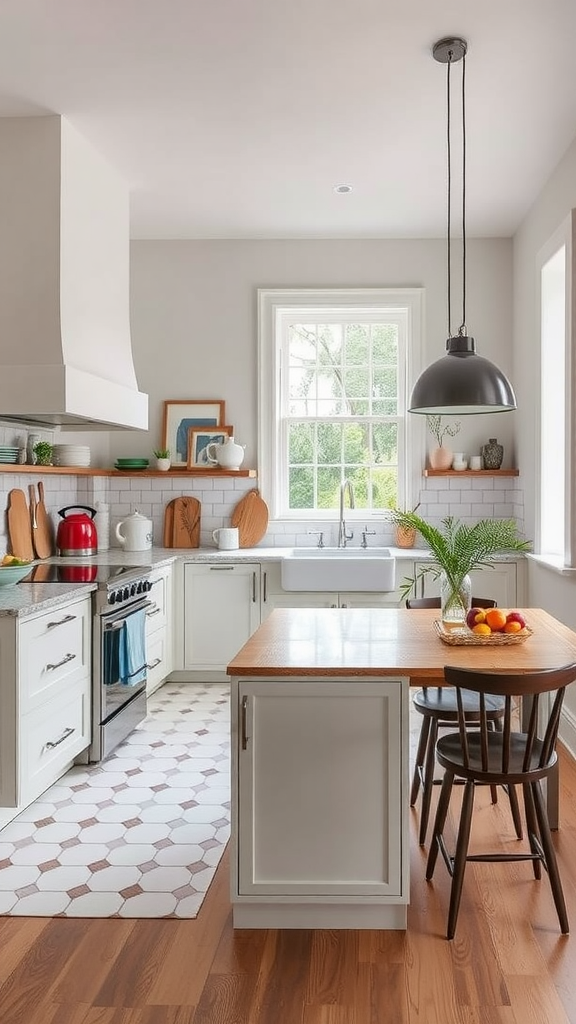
(456, 548)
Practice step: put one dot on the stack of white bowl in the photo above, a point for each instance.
(73, 455)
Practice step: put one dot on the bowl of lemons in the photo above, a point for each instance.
(12, 570)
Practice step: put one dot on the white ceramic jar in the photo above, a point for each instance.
(135, 533)
(228, 455)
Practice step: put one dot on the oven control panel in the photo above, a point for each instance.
(129, 591)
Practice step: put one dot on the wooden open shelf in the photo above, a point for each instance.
(100, 471)
(471, 472)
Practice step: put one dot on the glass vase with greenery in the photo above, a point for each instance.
(456, 550)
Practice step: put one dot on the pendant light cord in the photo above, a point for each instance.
(449, 179)
(462, 328)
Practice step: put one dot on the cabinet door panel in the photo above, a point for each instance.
(221, 610)
(320, 788)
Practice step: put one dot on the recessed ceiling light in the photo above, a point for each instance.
(342, 189)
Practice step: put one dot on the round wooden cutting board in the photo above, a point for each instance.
(251, 517)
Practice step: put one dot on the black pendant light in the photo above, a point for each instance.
(460, 382)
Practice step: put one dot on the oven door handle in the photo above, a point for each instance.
(117, 622)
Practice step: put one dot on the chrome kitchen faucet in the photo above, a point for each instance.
(346, 485)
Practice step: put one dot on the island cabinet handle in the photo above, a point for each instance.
(265, 588)
(56, 743)
(58, 664)
(254, 588)
(60, 622)
(244, 719)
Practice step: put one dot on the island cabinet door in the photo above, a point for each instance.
(322, 768)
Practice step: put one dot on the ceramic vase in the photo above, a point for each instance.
(441, 458)
(455, 602)
(163, 465)
(492, 454)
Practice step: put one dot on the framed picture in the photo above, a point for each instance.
(180, 416)
(198, 440)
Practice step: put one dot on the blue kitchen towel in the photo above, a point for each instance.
(132, 653)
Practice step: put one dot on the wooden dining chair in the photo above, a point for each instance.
(511, 758)
(437, 705)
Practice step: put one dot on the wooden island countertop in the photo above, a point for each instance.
(388, 642)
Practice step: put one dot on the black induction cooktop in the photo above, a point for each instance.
(79, 573)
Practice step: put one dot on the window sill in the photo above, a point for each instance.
(553, 562)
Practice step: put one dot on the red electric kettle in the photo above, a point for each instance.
(77, 533)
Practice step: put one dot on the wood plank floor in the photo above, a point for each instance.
(508, 964)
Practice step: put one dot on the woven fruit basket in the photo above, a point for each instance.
(461, 636)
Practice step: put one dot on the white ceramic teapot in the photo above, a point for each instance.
(135, 532)
(228, 455)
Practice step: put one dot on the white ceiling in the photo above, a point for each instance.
(236, 118)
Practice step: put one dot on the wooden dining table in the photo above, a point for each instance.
(382, 642)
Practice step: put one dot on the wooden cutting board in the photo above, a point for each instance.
(43, 535)
(169, 524)
(186, 523)
(251, 517)
(19, 527)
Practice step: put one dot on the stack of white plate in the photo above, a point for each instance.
(71, 455)
(8, 453)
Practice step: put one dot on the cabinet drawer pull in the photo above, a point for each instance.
(265, 588)
(65, 660)
(60, 622)
(253, 588)
(243, 723)
(56, 743)
(154, 664)
(155, 611)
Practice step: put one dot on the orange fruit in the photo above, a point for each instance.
(496, 619)
(482, 629)
(512, 627)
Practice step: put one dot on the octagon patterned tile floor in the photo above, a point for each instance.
(141, 834)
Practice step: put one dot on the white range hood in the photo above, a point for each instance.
(65, 347)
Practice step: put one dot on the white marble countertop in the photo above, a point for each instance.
(28, 598)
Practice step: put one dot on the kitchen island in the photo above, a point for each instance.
(320, 788)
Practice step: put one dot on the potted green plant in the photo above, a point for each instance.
(43, 452)
(441, 456)
(456, 550)
(162, 456)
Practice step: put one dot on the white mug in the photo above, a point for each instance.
(475, 462)
(226, 539)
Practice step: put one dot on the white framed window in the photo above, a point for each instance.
(556, 529)
(335, 369)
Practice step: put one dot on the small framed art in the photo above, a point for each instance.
(198, 440)
(183, 414)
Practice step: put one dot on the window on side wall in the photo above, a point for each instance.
(557, 452)
(335, 373)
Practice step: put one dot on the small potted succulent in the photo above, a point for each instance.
(162, 456)
(43, 452)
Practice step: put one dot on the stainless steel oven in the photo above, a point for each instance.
(119, 667)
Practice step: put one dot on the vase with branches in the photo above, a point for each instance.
(441, 456)
(456, 549)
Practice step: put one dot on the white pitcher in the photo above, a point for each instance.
(227, 455)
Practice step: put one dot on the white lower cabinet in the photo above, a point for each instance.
(159, 631)
(221, 611)
(499, 581)
(319, 802)
(45, 705)
(273, 596)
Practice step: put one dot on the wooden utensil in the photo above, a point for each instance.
(33, 521)
(186, 531)
(251, 517)
(169, 524)
(19, 527)
(44, 533)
